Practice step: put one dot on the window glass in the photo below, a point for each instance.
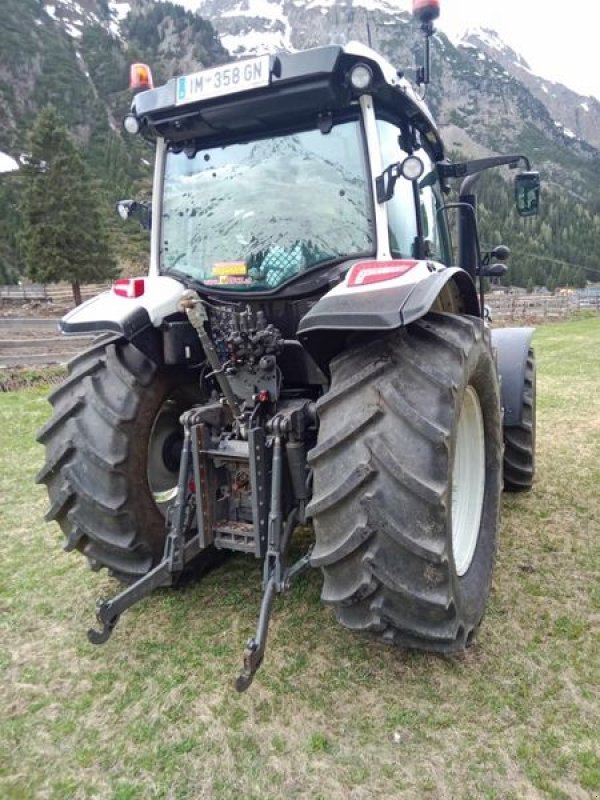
(251, 216)
(435, 230)
(402, 222)
(401, 208)
(429, 217)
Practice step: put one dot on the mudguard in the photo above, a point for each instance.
(378, 308)
(151, 321)
(126, 315)
(512, 346)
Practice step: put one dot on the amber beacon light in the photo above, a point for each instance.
(140, 77)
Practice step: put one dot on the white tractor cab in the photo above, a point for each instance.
(307, 345)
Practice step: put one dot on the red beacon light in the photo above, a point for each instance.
(426, 10)
(140, 77)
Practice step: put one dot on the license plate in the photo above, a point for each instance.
(250, 74)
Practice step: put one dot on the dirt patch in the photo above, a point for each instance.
(13, 379)
(33, 310)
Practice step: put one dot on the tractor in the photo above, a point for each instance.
(307, 349)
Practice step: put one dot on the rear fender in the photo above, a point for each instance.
(152, 322)
(512, 347)
(111, 312)
(382, 308)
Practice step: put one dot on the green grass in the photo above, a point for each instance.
(153, 714)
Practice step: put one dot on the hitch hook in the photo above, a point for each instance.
(255, 649)
(252, 661)
(108, 622)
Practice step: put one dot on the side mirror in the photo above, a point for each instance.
(527, 193)
(493, 271)
(501, 252)
(132, 209)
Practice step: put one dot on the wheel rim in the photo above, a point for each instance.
(468, 481)
(164, 449)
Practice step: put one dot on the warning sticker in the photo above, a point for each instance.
(229, 268)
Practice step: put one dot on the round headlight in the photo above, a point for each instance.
(412, 168)
(361, 77)
(131, 124)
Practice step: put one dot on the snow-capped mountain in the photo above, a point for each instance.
(575, 116)
(75, 54)
(481, 61)
(247, 27)
(251, 26)
(483, 94)
(75, 15)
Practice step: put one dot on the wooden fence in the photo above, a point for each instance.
(539, 307)
(60, 294)
(506, 307)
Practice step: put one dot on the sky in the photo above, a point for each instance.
(559, 41)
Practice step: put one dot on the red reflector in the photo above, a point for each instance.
(426, 10)
(129, 287)
(140, 77)
(366, 272)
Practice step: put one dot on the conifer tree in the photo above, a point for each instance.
(63, 236)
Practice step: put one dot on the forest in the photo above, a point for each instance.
(86, 82)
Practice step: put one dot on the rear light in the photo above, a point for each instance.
(129, 287)
(367, 272)
(426, 10)
(140, 77)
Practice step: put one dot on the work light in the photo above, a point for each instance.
(131, 124)
(361, 77)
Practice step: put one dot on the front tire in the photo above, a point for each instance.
(111, 455)
(519, 440)
(406, 551)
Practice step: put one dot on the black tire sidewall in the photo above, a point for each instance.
(147, 516)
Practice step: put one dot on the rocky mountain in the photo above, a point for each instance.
(575, 116)
(75, 55)
(483, 94)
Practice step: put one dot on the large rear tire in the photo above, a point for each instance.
(112, 455)
(519, 440)
(407, 483)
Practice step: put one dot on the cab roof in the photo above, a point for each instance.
(301, 87)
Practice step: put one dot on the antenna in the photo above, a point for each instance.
(426, 11)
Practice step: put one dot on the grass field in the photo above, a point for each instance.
(153, 714)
